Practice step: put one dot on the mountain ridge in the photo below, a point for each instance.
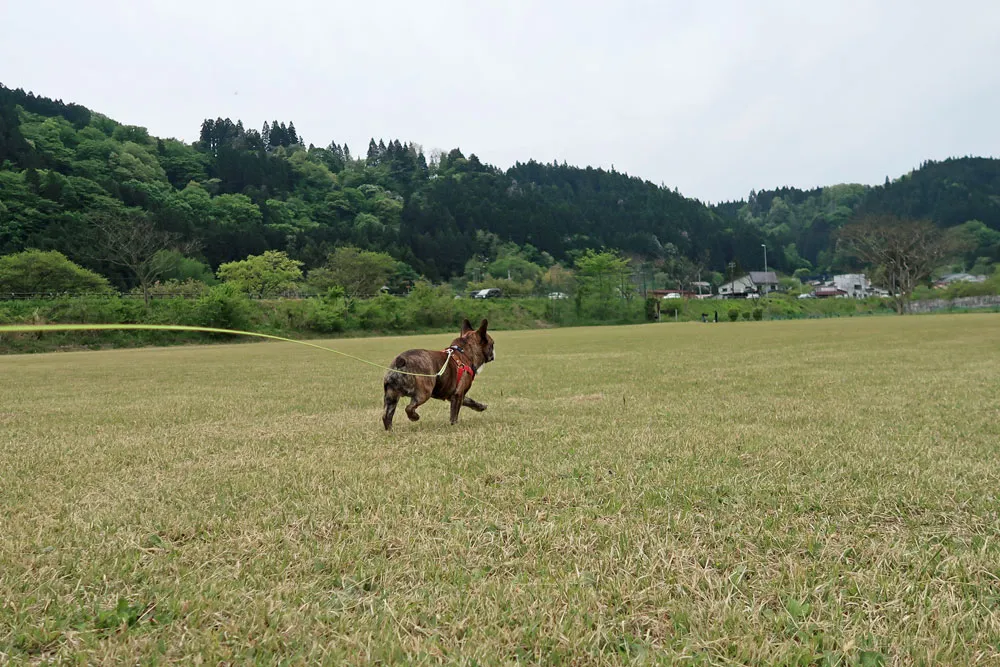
(240, 191)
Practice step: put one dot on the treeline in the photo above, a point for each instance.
(69, 177)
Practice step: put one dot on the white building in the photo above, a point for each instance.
(755, 282)
(855, 285)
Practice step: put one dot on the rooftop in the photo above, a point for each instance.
(764, 277)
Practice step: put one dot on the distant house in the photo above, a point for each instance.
(755, 282)
(855, 285)
(951, 278)
(829, 292)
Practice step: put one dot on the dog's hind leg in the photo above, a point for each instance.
(475, 405)
(418, 399)
(391, 399)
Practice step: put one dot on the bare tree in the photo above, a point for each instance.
(902, 252)
(137, 245)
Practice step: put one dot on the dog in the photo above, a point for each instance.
(461, 361)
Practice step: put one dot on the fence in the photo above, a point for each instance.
(44, 296)
(49, 296)
(961, 303)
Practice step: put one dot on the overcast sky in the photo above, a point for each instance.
(714, 98)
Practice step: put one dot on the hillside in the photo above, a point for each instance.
(240, 191)
(951, 192)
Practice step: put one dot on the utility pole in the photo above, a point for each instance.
(764, 246)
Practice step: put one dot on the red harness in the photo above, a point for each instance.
(463, 368)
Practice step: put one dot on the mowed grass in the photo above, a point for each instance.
(762, 493)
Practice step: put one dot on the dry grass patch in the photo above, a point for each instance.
(752, 493)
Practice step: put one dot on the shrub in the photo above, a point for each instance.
(429, 306)
(37, 271)
(651, 309)
(263, 275)
(181, 268)
(224, 307)
(326, 316)
(746, 315)
(733, 314)
(384, 312)
(758, 314)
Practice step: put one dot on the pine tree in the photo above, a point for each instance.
(293, 138)
(207, 132)
(265, 136)
(373, 153)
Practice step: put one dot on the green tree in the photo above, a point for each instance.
(360, 273)
(180, 268)
(978, 240)
(603, 276)
(514, 267)
(268, 274)
(34, 271)
(602, 271)
(794, 261)
(558, 279)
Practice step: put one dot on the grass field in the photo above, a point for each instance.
(763, 493)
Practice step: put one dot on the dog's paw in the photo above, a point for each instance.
(413, 416)
(480, 407)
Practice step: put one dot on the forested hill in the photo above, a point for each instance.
(960, 191)
(239, 191)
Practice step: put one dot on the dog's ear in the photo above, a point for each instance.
(482, 330)
(466, 326)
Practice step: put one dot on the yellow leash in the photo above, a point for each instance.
(33, 328)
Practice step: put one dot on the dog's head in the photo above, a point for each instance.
(476, 343)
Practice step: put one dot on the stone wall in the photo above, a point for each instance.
(933, 305)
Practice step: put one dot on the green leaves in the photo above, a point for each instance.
(263, 275)
(123, 615)
(35, 271)
(360, 273)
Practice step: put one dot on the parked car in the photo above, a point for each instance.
(558, 295)
(672, 295)
(807, 295)
(491, 293)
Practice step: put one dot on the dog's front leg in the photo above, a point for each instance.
(456, 405)
(475, 405)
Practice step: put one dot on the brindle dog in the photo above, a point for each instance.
(472, 349)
